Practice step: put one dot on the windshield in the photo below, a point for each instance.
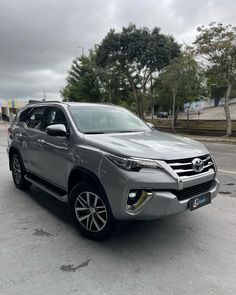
(106, 119)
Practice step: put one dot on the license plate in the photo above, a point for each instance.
(199, 201)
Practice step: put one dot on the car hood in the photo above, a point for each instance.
(150, 144)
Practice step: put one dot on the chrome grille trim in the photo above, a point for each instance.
(184, 168)
(188, 170)
(180, 164)
(209, 172)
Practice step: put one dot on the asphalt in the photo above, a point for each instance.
(191, 253)
(225, 156)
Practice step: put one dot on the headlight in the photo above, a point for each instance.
(132, 164)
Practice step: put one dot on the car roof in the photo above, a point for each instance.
(70, 104)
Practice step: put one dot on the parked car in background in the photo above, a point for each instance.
(162, 115)
(107, 164)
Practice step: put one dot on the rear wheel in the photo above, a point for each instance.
(18, 172)
(91, 212)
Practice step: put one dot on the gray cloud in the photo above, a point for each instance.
(39, 39)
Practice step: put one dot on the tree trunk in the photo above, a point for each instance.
(152, 103)
(176, 115)
(141, 100)
(139, 103)
(152, 110)
(188, 113)
(173, 109)
(136, 100)
(227, 112)
(188, 116)
(110, 97)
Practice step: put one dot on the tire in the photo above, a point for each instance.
(85, 200)
(18, 172)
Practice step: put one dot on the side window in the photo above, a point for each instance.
(55, 116)
(35, 118)
(23, 115)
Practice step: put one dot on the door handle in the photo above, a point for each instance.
(41, 141)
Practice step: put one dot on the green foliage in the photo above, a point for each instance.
(181, 80)
(113, 85)
(137, 53)
(82, 81)
(162, 96)
(217, 45)
(120, 69)
(233, 92)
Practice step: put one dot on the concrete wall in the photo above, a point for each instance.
(199, 105)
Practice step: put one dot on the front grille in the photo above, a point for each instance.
(184, 167)
(192, 191)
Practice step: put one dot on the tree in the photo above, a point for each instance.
(113, 85)
(137, 53)
(182, 79)
(217, 45)
(162, 96)
(82, 81)
(88, 82)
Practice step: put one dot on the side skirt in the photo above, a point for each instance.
(47, 187)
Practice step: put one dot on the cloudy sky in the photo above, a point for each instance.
(39, 38)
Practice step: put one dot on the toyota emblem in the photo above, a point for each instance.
(197, 164)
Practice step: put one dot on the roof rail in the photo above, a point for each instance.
(31, 101)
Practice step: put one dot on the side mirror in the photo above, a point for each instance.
(57, 130)
(150, 125)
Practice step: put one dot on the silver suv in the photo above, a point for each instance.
(108, 164)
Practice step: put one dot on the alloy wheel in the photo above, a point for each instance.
(16, 170)
(91, 211)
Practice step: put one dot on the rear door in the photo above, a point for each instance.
(34, 129)
(18, 135)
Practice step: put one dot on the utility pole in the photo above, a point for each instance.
(82, 48)
(44, 96)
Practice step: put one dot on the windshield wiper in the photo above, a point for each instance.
(127, 131)
(94, 132)
(112, 131)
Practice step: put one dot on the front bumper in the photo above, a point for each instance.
(163, 203)
(117, 184)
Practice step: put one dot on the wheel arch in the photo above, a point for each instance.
(12, 151)
(83, 175)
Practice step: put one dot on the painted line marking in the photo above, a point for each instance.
(227, 171)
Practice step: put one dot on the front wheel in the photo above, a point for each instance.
(18, 172)
(91, 212)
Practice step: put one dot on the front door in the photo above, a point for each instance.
(54, 149)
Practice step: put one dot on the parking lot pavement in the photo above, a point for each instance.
(191, 253)
(225, 156)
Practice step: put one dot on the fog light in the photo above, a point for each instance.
(132, 194)
(133, 197)
(136, 198)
